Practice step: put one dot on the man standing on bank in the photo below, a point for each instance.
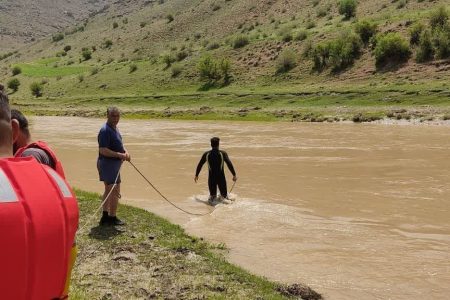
(215, 159)
(112, 154)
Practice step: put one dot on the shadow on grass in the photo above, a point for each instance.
(105, 232)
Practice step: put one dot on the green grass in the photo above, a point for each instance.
(151, 257)
(40, 70)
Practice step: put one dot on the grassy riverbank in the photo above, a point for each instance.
(151, 258)
(358, 104)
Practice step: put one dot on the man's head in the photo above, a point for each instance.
(113, 115)
(215, 141)
(8, 129)
(24, 136)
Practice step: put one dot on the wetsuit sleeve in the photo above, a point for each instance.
(228, 162)
(200, 164)
(40, 155)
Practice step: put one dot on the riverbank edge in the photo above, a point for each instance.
(387, 116)
(153, 258)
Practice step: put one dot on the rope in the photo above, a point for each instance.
(174, 205)
(104, 201)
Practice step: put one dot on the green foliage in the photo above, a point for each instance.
(86, 53)
(182, 55)
(337, 54)
(240, 41)
(347, 8)
(425, 52)
(16, 70)
(107, 44)
(213, 45)
(14, 84)
(415, 32)
(286, 61)
(36, 89)
(213, 70)
(176, 70)
(58, 37)
(301, 35)
(439, 17)
(391, 48)
(94, 71)
(133, 68)
(441, 41)
(285, 34)
(168, 60)
(365, 29)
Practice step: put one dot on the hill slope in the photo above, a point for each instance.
(145, 49)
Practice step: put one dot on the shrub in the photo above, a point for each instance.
(143, 24)
(16, 70)
(439, 17)
(301, 35)
(168, 60)
(441, 41)
(182, 55)
(365, 30)
(347, 8)
(169, 18)
(240, 41)
(338, 54)
(133, 68)
(80, 78)
(14, 84)
(285, 34)
(213, 45)
(425, 51)
(391, 48)
(67, 48)
(107, 44)
(175, 71)
(207, 68)
(415, 32)
(286, 61)
(401, 4)
(115, 25)
(94, 71)
(225, 69)
(36, 89)
(58, 37)
(214, 70)
(86, 53)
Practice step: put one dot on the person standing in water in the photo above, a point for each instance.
(216, 176)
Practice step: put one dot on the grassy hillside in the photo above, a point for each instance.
(153, 259)
(146, 55)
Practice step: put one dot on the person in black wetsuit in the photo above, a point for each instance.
(216, 159)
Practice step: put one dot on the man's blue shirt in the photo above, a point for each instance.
(110, 138)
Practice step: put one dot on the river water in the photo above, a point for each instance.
(356, 211)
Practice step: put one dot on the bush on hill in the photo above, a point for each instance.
(391, 48)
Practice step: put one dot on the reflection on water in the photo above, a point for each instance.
(355, 211)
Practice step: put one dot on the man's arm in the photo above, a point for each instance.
(229, 165)
(200, 165)
(109, 153)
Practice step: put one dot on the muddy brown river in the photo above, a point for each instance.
(354, 211)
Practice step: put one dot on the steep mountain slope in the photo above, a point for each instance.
(143, 48)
